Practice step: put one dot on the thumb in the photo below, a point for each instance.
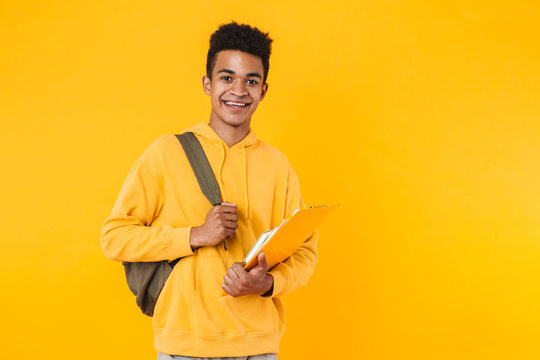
(262, 262)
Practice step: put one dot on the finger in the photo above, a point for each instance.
(229, 282)
(233, 285)
(228, 290)
(240, 272)
(231, 224)
(232, 274)
(262, 262)
(243, 281)
(227, 208)
(230, 217)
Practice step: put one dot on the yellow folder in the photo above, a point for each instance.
(290, 235)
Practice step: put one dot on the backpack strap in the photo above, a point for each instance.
(201, 167)
(203, 172)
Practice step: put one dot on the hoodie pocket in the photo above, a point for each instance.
(173, 308)
(214, 314)
(255, 313)
(207, 309)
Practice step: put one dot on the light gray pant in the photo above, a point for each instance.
(161, 356)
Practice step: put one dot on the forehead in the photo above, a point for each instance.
(238, 61)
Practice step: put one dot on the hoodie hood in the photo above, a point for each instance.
(208, 137)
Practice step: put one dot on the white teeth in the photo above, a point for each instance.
(234, 103)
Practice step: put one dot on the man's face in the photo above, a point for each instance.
(236, 87)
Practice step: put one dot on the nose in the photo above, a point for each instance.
(239, 88)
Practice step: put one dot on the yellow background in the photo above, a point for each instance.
(421, 118)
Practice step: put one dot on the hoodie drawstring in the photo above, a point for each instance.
(223, 196)
(220, 180)
(246, 199)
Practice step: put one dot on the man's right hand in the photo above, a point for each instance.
(220, 224)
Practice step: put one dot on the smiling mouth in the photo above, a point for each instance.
(236, 104)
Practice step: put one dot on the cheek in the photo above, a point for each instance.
(218, 93)
(216, 98)
(254, 106)
(256, 95)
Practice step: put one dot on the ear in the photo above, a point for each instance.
(264, 90)
(206, 84)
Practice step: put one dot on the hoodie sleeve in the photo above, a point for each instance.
(128, 234)
(297, 269)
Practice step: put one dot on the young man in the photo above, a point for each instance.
(161, 214)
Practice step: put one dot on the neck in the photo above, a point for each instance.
(230, 134)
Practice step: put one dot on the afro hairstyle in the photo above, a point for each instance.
(234, 36)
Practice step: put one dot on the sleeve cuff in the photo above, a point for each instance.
(179, 245)
(270, 291)
(280, 282)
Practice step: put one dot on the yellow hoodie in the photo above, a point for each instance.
(151, 220)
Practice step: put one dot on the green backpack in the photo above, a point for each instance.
(146, 279)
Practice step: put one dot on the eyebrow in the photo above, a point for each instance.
(251, 74)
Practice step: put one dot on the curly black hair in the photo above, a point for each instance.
(234, 36)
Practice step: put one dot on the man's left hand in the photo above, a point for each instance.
(257, 281)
